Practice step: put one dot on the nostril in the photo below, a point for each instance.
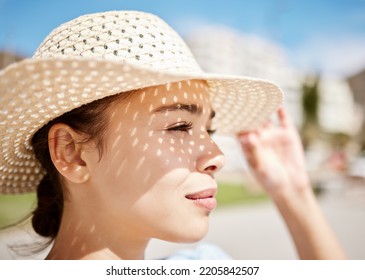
(210, 163)
(211, 168)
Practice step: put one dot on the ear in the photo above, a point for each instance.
(66, 148)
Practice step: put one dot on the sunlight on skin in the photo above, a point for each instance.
(157, 152)
(140, 163)
(143, 95)
(176, 162)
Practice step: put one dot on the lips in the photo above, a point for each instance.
(205, 199)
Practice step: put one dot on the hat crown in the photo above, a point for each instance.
(126, 36)
(99, 55)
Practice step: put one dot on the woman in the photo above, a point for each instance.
(110, 122)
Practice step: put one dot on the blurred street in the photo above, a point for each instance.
(258, 232)
(253, 231)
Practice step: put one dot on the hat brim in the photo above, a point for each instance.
(35, 91)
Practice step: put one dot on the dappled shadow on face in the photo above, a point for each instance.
(159, 130)
(158, 150)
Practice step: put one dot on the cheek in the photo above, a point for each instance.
(138, 162)
(156, 161)
(144, 159)
(164, 149)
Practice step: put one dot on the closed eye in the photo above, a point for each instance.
(186, 127)
(181, 127)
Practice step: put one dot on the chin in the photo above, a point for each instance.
(188, 234)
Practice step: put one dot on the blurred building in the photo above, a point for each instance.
(7, 58)
(357, 85)
(338, 112)
(222, 50)
(226, 51)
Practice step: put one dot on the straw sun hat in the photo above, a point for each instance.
(99, 55)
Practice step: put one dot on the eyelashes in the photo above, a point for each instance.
(181, 127)
(187, 127)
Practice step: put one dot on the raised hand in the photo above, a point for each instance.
(275, 156)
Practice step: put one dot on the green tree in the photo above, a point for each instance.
(310, 104)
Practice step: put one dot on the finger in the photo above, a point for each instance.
(248, 138)
(247, 141)
(243, 139)
(283, 116)
(250, 151)
(267, 124)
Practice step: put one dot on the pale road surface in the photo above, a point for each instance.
(258, 232)
(250, 231)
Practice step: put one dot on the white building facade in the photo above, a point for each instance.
(226, 51)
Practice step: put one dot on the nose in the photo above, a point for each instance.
(211, 160)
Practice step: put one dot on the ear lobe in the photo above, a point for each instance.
(66, 148)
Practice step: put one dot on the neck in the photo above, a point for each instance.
(87, 236)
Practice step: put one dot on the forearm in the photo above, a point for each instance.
(312, 235)
(276, 158)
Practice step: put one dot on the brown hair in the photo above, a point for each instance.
(89, 119)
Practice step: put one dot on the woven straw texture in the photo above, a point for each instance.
(99, 55)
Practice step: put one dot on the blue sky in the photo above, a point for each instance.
(323, 35)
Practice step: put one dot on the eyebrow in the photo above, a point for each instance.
(190, 108)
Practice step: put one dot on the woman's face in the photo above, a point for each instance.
(155, 178)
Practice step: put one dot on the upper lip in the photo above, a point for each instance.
(207, 193)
